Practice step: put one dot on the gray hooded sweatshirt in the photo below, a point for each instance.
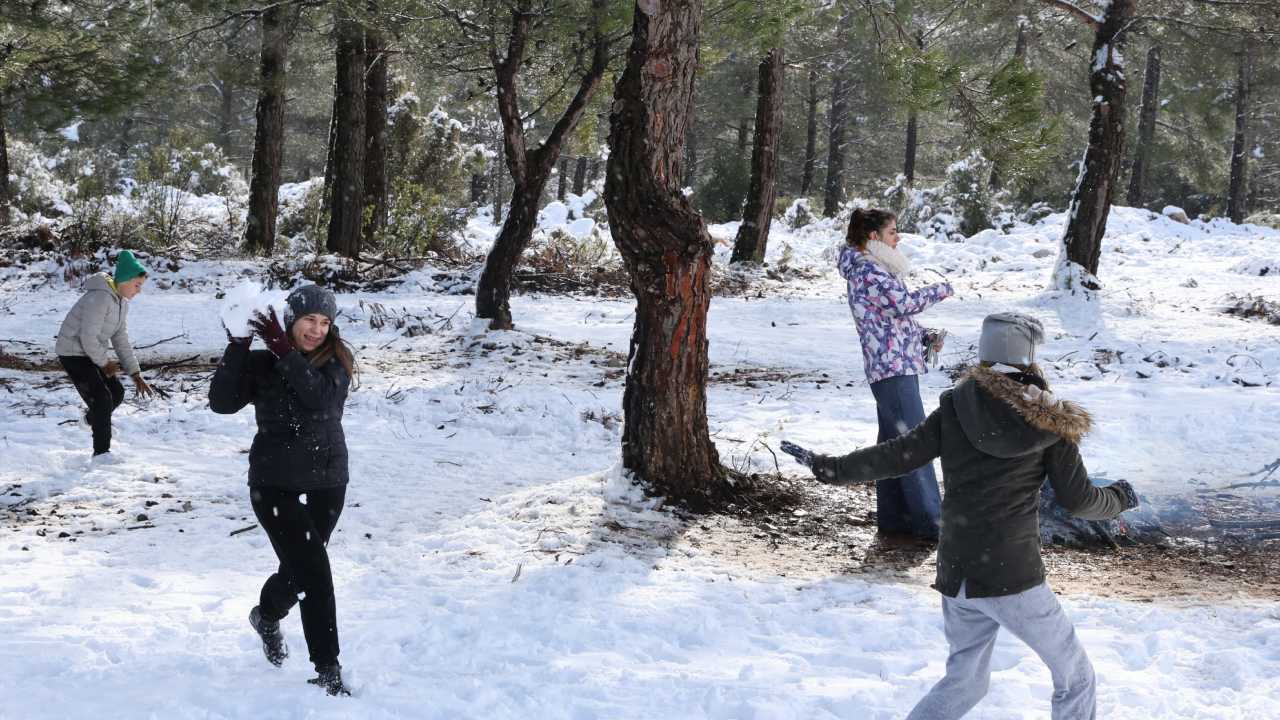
(99, 317)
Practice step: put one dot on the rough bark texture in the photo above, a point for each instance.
(375, 110)
(1091, 199)
(811, 136)
(346, 195)
(6, 195)
(1238, 192)
(753, 233)
(667, 251)
(580, 176)
(268, 137)
(1146, 128)
(562, 181)
(530, 168)
(837, 119)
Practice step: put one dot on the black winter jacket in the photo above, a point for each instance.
(998, 438)
(300, 444)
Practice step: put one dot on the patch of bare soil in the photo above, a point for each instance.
(797, 528)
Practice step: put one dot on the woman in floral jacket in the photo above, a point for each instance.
(893, 346)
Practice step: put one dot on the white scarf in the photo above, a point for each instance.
(889, 258)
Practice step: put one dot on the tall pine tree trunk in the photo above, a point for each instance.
(753, 233)
(667, 252)
(346, 195)
(268, 136)
(811, 135)
(530, 168)
(913, 131)
(375, 111)
(1146, 128)
(1238, 192)
(1091, 200)
(563, 179)
(909, 159)
(6, 195)
(838, 117)
(226, 115)
(580, 176)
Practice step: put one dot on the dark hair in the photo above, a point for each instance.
(863, 222)
(335, 347)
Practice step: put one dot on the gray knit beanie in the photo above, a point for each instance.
(310, 299)
(1010, 338)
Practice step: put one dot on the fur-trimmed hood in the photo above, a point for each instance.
(1006, 418)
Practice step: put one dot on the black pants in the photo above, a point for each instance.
(299, 530)
(101, 393)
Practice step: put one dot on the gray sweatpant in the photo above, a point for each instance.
(1034, 617)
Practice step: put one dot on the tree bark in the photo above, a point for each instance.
(1238, 191)
(6, 195)
(838, 117)
(226, 114)
(346, 198)
(913, 129)
(563, 180)
(580, 176)
(1091, 200)
(667, 252)
(753, 233)
(811, 136)
(268, 136)
(909, 160)
(530, 168)
(375, 109)
(1146, 128)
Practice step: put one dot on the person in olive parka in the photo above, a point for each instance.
(999, 432)
(297, 463)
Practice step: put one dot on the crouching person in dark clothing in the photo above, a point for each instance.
(297, 464)
(999, 432)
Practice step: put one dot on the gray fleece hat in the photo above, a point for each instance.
(1010, 338)
(310, 299)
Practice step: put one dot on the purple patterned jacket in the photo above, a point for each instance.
(892, 341)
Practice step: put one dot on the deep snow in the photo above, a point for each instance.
(493, 562)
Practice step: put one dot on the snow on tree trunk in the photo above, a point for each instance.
(346, 193)
(1091, 200)
(667, 252)
(1238, 191)
(268, 137)
(753, 234)
(1146, 128)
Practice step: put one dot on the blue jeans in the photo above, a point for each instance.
(911, 503)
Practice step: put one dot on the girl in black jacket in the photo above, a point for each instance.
(297, 464)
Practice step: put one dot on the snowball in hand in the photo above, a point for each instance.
(241, 302)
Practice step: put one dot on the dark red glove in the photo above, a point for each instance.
(232, 339)
(267, 327)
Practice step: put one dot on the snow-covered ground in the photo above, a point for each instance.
(492, 561)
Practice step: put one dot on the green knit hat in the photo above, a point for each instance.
(127, 267)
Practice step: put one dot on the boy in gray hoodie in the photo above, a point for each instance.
(96, 321)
